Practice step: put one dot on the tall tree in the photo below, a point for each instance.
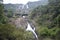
(2, 16)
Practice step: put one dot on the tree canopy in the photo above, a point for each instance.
(48, 19)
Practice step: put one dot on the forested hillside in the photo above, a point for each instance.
(44, 18)
(47, 19)
(9, 31)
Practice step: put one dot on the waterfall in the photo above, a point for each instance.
(29, 28)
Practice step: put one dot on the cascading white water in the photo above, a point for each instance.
(29, 28)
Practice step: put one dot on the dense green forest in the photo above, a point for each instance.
(47, 22)
(47, 19)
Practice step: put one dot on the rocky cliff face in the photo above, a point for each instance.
(18, 22)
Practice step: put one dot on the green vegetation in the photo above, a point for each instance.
(48, 20)
(3, 18)
(9, 31)
(10, 13)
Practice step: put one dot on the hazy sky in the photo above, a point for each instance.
(17, 1)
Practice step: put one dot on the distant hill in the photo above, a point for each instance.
(37, 3)
(22, 7)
